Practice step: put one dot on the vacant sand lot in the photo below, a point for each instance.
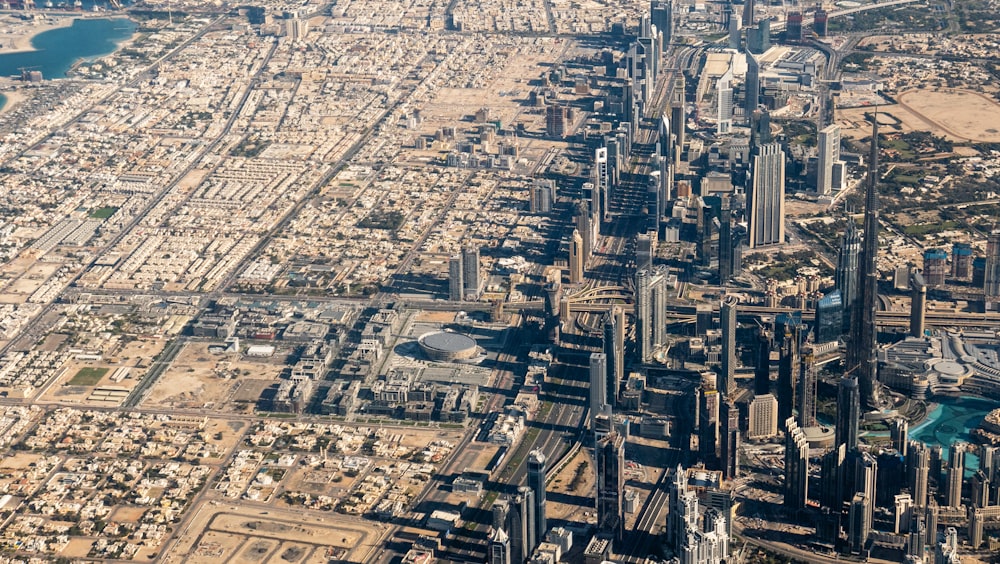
(961, 114)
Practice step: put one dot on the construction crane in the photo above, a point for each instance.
(115, 4)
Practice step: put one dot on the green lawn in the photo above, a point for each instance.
(88, 376)
(103, 213)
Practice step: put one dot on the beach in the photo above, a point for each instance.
(16, 34)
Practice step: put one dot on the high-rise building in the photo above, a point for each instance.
(918, 304)
(796, 466)
(917, 468)
(726, 243)
(933, 512)
(601, 180)
(520, 526)
(661, 15)
(819, 22)
(762, 367)
(759, 38)
(903, 513)
(682, 513)
(536, 481)
(916, 540)
(859, 522)
(848, 413)
(610, 461)
(961, 261)
(829, 324)
(862, 354)
(956, 475)
(729, 440)
(708, 426)
(766, 196)
(650, 311)
(763, 423)
(472, 278)
(847, 268)
(789, 336)
(806, 391)
(576, 258)
(543, 194)
(832, 479)
(947, 550)
(598, 386)
(499, 548)
(935, 267)
(866, 479)
(793, 27)
(727, 318)
(899, 433)
(614, 350)
(678, 117)
(829, 152)
(991, 276)
(456, 283)
(586, 223)
(724, 103)
(751, 86)
(556, 121)
(748, 15)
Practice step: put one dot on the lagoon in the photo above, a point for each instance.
(57, 50)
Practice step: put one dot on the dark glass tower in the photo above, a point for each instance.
(536, 481)
(862, 358)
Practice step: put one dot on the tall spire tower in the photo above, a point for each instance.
(863, 352)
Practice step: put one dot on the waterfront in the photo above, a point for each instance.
(57, 50)
(951, 421)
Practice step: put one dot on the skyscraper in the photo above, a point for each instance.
(729, 443)
(471, 272)
(862, 354)
(806, 391)
(796, 466)
(536, 481)
(832, 479)
(992, 274)
(748, 15)
(678, 118)
(789, 336)
(708, 426)
(520, 526)
(724, 103)
(614, 350)
(456, 283)
(763, 422)
(727, 317)
(751, 85)
(601, 183)
(766, 196)
(576, 258)
(650, 311)
(829, 324)
(543, 194)
(859, 522)
(848, 413)
(726, 243)
(762, 368)
(499, 548)
(918, 304)
(598, 386)
(661, 15)
(847, 267)
(956, 475)
(610, 461)
(829, 152)
(682, 513)
(918, 462)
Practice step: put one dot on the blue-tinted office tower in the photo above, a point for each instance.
(829, 318)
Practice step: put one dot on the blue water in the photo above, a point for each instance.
(951, 421)
(57, 50)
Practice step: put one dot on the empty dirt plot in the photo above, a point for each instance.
(962, 115)
(221, 532)
(198, 376)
